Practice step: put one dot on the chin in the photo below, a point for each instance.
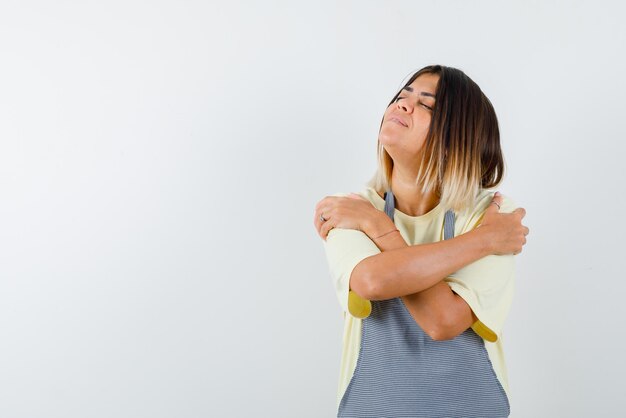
(392, 149)
(395, 148)
(388, 138)
(390, 141)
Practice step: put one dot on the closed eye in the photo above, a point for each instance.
(423, 104)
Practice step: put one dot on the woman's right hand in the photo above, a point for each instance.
(503, 232)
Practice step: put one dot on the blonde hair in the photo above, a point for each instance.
(462, 151)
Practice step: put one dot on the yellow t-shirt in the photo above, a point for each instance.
(486, 285)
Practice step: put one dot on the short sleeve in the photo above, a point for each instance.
(487, 285)
(345, 248)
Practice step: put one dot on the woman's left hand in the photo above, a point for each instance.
(350, 212)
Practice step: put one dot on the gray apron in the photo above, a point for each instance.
(402, 372)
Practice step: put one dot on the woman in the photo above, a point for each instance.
(422, 260)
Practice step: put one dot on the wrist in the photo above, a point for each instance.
(378, 225)
(483, 241)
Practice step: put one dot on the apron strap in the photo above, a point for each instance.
(390, 204)
(448, 219)
(448, 225)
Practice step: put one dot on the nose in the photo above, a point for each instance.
(405, 105)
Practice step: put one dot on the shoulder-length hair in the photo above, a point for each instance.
(462, 151)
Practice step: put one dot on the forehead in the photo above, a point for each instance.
(425, 83)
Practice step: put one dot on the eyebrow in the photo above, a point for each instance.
(422, 93)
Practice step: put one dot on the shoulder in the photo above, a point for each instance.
(470, 218)
(368, 194)
(483, 200)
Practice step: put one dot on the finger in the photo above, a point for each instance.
(317, 222)
(520, 211)
(320, 229)
(496, 202)
(526, 231)
(326, 227)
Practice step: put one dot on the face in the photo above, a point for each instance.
(407, 120)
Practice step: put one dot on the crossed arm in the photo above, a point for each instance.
(440, 312)
(416, 273)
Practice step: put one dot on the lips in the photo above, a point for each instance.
(398, 120)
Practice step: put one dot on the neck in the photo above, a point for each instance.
(408, 195)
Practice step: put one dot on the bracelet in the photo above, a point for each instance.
(387, 233)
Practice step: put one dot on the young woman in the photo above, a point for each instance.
(423, 259)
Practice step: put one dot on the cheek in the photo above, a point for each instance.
(419, 133)
(425, 129)
(425, 123)
(421, 124)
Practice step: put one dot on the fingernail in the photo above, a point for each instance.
(497, 194)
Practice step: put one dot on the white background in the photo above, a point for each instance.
(159, 166)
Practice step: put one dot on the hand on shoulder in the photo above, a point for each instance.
(502, 227)
(346, 211)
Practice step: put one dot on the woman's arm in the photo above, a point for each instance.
(404, 270)
(436, 308)
(440, 312)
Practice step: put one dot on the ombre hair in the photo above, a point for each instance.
(461, 154)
